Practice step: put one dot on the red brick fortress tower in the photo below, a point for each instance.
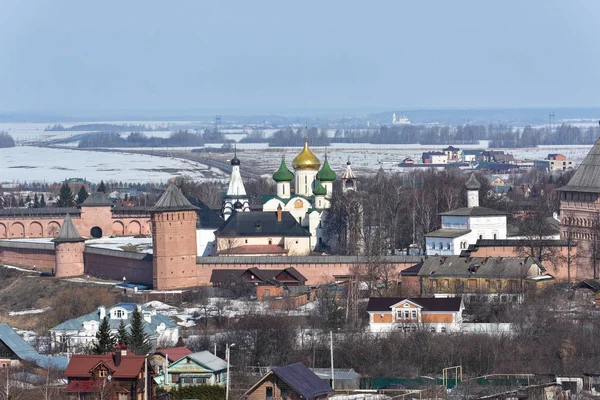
(174, 241)
(68, 250)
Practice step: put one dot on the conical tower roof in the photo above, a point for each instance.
(473, 183)
(283, 174)
(68, 232)
(173, 200)
(97, 199)
(319, 189)
(587, 176)
(306, 159)
(326, 174)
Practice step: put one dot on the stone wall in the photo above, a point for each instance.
(40, 255)
(316, 269)
(116, 265)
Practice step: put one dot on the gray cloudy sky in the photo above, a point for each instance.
(77, 56)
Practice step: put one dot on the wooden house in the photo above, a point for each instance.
(202, 368)
(117, 376)
(291, 382)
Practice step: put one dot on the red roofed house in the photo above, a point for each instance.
(170, 355)
(116, 376)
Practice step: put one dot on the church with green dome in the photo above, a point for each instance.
(304, 192)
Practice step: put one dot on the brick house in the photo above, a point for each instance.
(117, 376)
(409, 314)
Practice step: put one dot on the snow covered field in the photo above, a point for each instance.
(23, 163)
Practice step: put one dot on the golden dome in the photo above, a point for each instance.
(306, 159)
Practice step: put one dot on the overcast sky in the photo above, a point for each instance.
(74, 56)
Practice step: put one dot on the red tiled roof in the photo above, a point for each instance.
(174, 353)
(80, 365)
(256, 249)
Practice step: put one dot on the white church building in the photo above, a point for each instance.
(464, 226)
(307, 201)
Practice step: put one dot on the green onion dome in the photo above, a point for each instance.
(283, 174)
(319, 190)
(326, 174)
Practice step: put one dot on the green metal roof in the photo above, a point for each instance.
(283, 174)
(319, 190)
(326, 174)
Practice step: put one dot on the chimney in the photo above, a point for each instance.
(279, 213)
(102, 310)
(117, 357)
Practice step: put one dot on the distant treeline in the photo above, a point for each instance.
(106, 128)
(289, 137)
(176, 139)
(500, 135)
(6, 140)
(531, 137)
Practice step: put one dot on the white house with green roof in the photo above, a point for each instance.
(202, 368)
(77, 334)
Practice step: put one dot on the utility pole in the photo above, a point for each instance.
(332, 371)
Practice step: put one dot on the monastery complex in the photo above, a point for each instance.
(178, 242)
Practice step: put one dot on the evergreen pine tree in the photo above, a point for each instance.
(82, 194)
(21, 202)
(36, 201)
(65, 196)
(27, 200)
(122, 335)
(139, 342)
(101, 187)
(42, 201)
(105, 341)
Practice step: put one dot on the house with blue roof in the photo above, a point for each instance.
(78, 334)
(14, 350)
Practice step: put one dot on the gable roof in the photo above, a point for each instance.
(260, 223)
(222, 275)
(150, 327)
(482, 267)
(300, 379)
(80, 365)
(174, 353)
(172, 200)
(412, 271)
(473, 212)
(207, 218)
(19, 346)
(591, 284)
(209, 360)
(97, 199)
(587, 175)
(68, 232)
(441, 304)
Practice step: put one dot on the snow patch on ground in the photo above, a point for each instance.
(159, 305)
(21, 163)
(20, 269)
(27, 312)
(82, 280)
